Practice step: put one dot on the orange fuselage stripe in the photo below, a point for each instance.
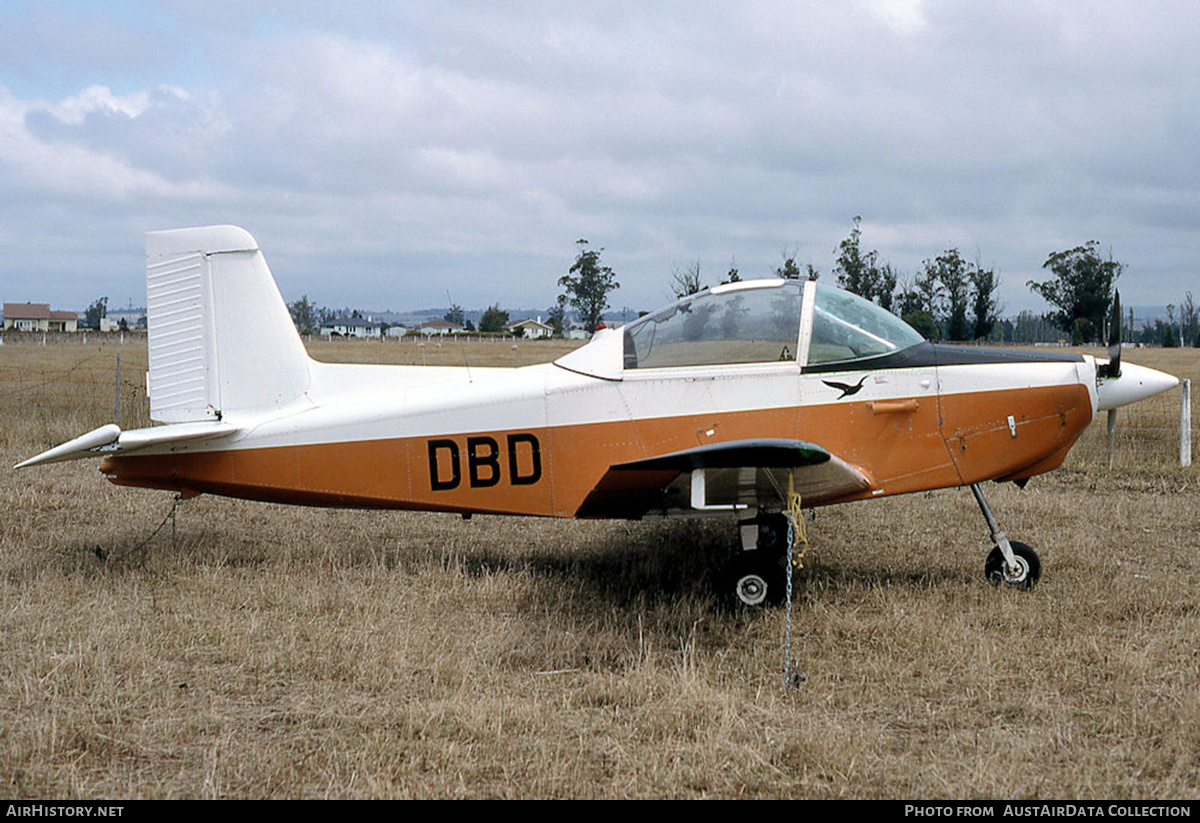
(940, 442)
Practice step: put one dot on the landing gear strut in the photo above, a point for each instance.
(757, 573)
(1012, 563)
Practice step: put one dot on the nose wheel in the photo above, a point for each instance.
(1024, 572)
(1014, 564)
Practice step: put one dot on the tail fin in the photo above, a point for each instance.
(221, 338)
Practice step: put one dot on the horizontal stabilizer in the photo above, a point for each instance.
(109, 439)
(136, 439)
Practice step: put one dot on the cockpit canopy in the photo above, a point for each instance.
(755, 321)
(740, 323)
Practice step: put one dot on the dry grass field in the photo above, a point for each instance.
(269, 652)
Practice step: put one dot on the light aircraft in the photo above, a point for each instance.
(717, 404)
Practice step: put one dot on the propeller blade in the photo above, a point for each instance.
(1113, 369)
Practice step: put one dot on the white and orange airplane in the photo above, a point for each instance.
(711, 405)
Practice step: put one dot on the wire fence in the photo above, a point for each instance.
(1146, 435)
(64, 378)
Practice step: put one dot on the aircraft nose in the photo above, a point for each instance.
(1133, 384)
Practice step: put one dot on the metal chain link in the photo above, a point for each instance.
(178, 498)
(789, 666)
(795, 523)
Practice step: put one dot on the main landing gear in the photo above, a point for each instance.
(757, 574)
(1012, 563)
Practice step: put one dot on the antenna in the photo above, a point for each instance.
(461, 347)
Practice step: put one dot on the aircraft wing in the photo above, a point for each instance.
(729, 473)
(110, 439)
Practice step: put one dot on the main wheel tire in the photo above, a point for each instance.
(754, 580)
(1029, 567)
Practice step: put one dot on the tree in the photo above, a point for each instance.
(304, 315)
(686, 280)
(557, 317)
(985, 308)
(587, 285)
(853, 269)
(1081, 288)
(885, 291)
(924, 323)
(920, 301)
(789, 270)
(1189, 319)
(1035, 328)
(1168, 337)
(951, 272)
(456, 315)
(95, 313)
(1082, 331)
(494, 319)
(861, 272)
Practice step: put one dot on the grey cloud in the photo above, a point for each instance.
(409, 146)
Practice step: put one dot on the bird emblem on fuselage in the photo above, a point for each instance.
(846, 388)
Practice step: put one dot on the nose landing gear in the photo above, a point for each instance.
(1012, 563)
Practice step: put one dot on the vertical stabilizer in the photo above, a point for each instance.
(221, 338)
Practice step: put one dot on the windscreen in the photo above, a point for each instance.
(848, 327)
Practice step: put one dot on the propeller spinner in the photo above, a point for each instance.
(1117, 386)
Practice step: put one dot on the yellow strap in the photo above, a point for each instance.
(796, 515)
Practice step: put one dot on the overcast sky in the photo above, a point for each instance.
(386, 154)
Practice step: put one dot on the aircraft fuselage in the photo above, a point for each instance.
(537, 440)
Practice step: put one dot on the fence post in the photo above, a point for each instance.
(1112, 434)
(1185, 422)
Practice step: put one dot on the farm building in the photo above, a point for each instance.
(440, 327)
(532, 329)
(38, 317)
(351, 327)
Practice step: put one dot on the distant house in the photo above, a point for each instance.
(352, 327)
(531, 329)
(38, 317)
(440, 327)
(396, 331)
